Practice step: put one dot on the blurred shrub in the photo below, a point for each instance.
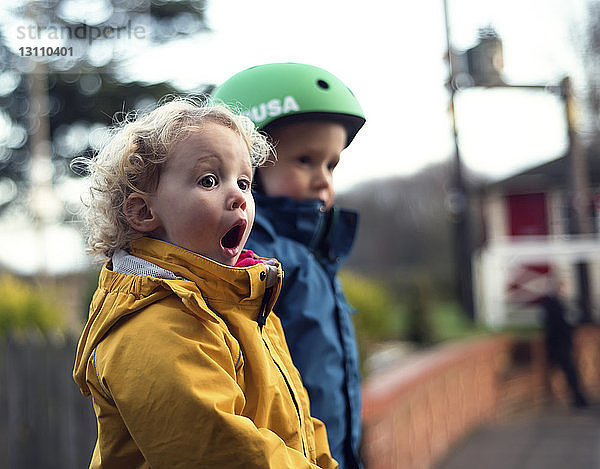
(378, 317)
(449, 322)
(408, 312)
(420, 298)
(24, 307)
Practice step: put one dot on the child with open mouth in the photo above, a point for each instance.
(185, 363)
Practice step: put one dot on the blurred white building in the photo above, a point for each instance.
(526, 224)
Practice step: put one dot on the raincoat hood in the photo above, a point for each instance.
(327, 234)
(194, 273)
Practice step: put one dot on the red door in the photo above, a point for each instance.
(527, 216)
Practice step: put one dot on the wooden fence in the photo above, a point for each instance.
(44, 420)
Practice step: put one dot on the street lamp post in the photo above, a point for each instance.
(458, 202)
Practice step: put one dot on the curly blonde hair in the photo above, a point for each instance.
(133, 157)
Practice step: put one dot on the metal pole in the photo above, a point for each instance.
(459, 203)
(578, 198)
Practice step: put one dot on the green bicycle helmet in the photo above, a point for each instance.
(290, 92)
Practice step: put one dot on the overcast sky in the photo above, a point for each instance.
(391, 56)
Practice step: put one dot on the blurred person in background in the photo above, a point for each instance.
(310, 116)
(559, 338)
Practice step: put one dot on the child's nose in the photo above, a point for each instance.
(322, 178)
(237, 200)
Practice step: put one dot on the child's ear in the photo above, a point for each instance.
(139, 214)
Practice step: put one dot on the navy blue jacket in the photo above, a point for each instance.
(311, 246)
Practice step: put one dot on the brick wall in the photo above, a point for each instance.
(414, 413)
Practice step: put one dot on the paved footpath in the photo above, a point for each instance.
(554, 438)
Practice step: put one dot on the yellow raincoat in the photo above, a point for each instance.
(194, 372)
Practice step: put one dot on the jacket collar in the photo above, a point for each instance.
(329, 235)
(216, 281)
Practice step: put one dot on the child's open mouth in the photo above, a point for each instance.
(233, 238)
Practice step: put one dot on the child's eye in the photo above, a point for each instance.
(303, 160)
(244, 184)
(331, 166)
(208, 181)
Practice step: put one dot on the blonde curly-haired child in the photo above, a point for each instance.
(185, 363)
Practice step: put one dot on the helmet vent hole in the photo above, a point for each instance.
(323, 84)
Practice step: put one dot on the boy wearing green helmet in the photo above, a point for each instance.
(310, 117)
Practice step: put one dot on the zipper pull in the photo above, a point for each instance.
(262, 315)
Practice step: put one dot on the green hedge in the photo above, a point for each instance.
(379, 317)
(24, 307)
(411, 312)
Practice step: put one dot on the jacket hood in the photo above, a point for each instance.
(328, 234)
(195, 282)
